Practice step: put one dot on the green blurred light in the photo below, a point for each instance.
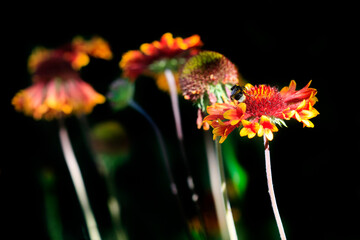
(237, 173)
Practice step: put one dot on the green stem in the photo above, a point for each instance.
(51, 205)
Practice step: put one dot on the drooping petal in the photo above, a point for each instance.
(235, 115)
(249, 128)
(219, 108)
(287, 114)
(304, 112)
(307, 123)
(266, 127)
(199, 121)
(288, 90)
(193, 41)
(148, 49)
(291, 96)
(96, 47)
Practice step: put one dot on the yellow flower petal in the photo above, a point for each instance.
(269, 135)
(307, 123)
(260, 132)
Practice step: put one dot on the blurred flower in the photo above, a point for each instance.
(206, 78)
(57, 88)
(95, 47)
(263, 108)
(77, 53)
(153, 58)
(110, 143)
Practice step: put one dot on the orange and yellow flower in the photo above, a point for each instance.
(153, 58)
(263, 108)
(57, 88)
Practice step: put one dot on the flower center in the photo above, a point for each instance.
(264, 100)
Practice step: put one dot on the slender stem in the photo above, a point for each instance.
(173, 186)
(271, 190)
(112, 201)
(176, 111)
(115, 208)
(174, 102)
(53, 220)
(229, 217)
(78, 182)
(215, 183)
(137, 107)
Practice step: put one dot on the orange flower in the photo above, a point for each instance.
(57, 88)
(263, 108)
(155, 57)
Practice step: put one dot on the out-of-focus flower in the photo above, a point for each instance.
(95, 47)
(263, 108)
(153, 58)
(206, 79)
(110, 142)
(77, 53)
(57, 88)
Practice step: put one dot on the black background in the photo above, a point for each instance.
(315, 170)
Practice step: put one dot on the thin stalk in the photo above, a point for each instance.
(173, 186)
(176, 111)
(112, 201)
(160, 139)
(174, 102)
(114, 208)
(51, 204)
(215, 183)
(229, 217)
(271, 190)
(78, 182)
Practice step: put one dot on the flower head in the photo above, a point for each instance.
(57, 88)
(264, 107)
(202, 74)
(206, 78)
(155, 57)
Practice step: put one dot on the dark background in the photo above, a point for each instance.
(315, 170)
